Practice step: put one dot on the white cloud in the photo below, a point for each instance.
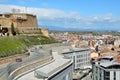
(49, 13)
(54, 17)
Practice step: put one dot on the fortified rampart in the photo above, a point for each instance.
(23, 23)
(45, 31)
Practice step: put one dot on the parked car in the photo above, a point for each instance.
(18, 59)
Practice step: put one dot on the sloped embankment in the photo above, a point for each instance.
(19, 44)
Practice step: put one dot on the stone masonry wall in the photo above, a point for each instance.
(23, 23)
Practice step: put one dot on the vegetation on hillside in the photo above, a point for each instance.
(18, 44)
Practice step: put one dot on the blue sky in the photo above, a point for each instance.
(70, 14)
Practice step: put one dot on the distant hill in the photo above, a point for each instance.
(61, 28)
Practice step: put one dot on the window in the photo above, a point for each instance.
(106, 75)
(114, 75)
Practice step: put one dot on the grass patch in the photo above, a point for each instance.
(18, 44)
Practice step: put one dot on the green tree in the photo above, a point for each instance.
(13, 29)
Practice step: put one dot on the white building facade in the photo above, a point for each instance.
(80, 57)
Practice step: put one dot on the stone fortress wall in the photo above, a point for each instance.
(23, 23)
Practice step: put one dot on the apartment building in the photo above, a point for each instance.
(80, 57)
(106, 69)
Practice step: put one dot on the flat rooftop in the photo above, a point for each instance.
(107, 64)
(58, 64)
(67, 51)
